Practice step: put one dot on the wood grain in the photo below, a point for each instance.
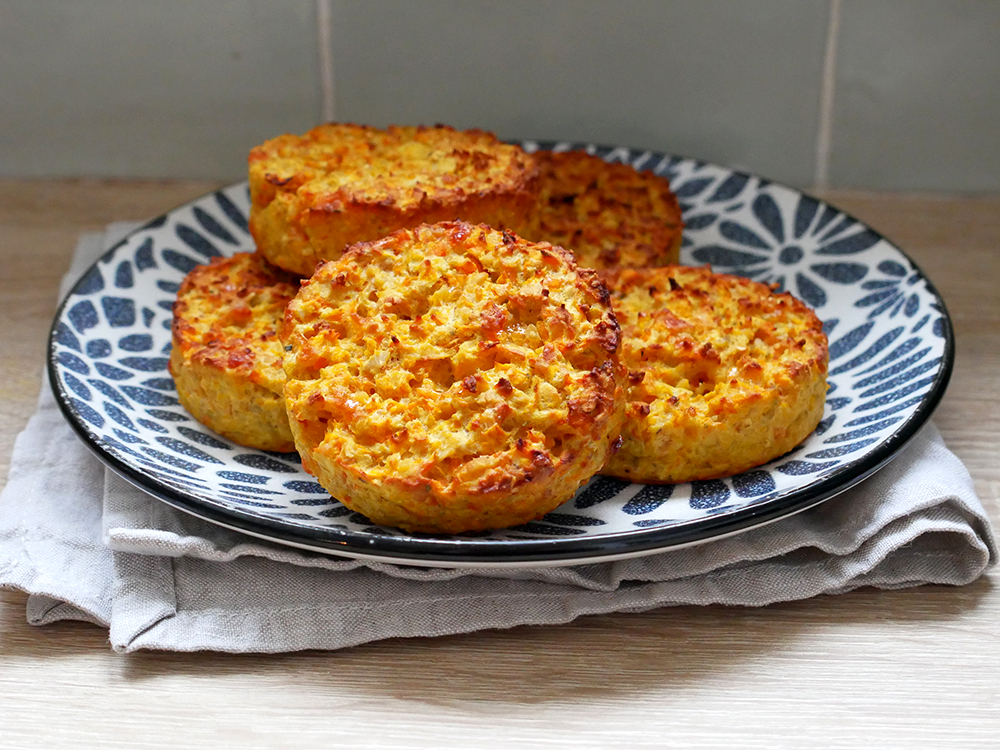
(915, 668)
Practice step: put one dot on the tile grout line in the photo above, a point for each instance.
(824, 135)
(324, 31)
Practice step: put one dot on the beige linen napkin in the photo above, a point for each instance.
(87, 545)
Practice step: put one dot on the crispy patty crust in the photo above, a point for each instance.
(312, 195)
(724, 373)
(453, 378)
(609, 214)
(226, 356)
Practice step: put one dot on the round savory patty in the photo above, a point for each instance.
(724, 373)
(312, 195)
(226, 356)
(609, 214)
(452, 377)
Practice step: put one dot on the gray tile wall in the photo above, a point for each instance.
(728, 81)
(908, 97)
(917, 101)
(118, 88)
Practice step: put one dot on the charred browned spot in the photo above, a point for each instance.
(608, 335)
(584, 409)
(491, 485)
(177, 326)
(461, 232)
(708, 352)
(493, 319)
(636, 377)
(604, 373)
(481, 160)
(540, 459)
(597, 287)
(273, 179)
(330, 206)
(240, 358)
(674, 286)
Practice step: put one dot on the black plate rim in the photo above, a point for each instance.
(419, 550)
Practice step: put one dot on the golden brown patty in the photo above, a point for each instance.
(314, 194)
(226, 358)
(452, 377)
(724, 374)
(609, 215)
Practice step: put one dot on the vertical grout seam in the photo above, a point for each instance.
(324, 31)
(824, 135)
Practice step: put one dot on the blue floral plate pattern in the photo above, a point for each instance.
(891, 354)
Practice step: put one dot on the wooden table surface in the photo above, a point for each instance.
(868, 669)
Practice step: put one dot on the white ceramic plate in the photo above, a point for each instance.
(891, 354)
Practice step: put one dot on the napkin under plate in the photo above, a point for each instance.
(87, 545)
